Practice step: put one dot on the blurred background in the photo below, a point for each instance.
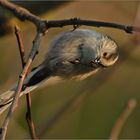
(75, 109)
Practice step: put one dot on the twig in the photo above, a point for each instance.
(29, 118)
(79, 22)
(20, 46)
(42, 25)
(33, 52)
(20, 13)
(122, 119)
(28, 96)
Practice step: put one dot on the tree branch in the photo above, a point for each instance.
(28, 95)
(79, 22)
(43, 25)
(33, 52)
(122, 119)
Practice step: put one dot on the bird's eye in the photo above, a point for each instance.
(105, 54)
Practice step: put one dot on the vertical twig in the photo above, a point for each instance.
(122, 119)
(28, 96)
(33, 52)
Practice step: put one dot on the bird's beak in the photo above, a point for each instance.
(97, 63)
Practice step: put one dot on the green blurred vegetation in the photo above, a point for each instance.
(82, 109)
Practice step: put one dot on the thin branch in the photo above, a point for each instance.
(20, 45)
(33, 52)
(28, 96)
(21, 12)
(122, 119)
(43, 25)
(29, 118)
(79, 22)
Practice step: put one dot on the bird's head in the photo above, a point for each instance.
(107, 52)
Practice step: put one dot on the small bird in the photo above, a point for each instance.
(72, 54)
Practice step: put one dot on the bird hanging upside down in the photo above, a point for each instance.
(73, 54)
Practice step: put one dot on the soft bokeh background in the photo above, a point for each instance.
(76, 109)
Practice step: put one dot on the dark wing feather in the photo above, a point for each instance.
(39, 76)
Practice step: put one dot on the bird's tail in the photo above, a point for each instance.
(33, 80)
(6, 98)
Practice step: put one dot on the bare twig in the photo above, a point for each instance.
(20, 45)
(20, 13)
(79, 22)
(28, 96)
(122, 119)
(42, 25)
(33, 52)
(29, 118)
